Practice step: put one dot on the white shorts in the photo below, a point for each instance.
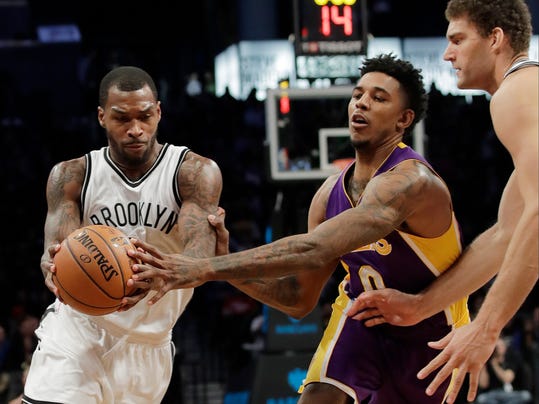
(78, 362)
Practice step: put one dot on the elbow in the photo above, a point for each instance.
(311, 251)
(501, 235)
(301, 308)
(504, 229)
(297, 313)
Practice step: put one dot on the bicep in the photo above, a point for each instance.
(387, 201)
(63, 200)
(393, 197)
(200, 184)
(527, 169)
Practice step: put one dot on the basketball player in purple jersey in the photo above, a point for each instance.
(388, 217)
(488, 47)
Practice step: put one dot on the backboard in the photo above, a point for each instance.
(307, 136)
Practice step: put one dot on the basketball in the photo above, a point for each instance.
(92, 269)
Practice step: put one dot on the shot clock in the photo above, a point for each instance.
(330, 27)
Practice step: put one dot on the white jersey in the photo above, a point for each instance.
(147, 209)
(123, 357)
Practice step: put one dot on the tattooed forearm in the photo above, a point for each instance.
(281, 291)
(280, 258)
(200, 240)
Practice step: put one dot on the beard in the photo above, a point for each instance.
(131, 160)
(360, 144)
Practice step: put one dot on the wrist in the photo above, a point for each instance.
(207, 273)
(420, 306)
(491, 329)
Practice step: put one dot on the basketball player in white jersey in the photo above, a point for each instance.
(158, 192)
(488, 48)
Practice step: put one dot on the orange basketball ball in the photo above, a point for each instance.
(92, 269)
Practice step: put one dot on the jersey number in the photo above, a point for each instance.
(370, 278)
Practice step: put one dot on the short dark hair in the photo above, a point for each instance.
(513, 16)
(126, 78)
(408, 76)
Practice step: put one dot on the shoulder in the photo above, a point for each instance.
(415, 170)
(411, 178)
(514, 107)
(194, 164)
(317, 210)
(65, 180)
(199, 175)
(519, 85)
(72, 170)
(322, 194)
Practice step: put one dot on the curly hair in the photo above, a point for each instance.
(513, 16)
(409, 78)
(126, 78)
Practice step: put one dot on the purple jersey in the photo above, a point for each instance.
(379, 364)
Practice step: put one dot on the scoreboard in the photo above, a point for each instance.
(330, 27)
(330, 37)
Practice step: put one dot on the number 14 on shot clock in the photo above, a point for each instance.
(333, 15)
(330, 26)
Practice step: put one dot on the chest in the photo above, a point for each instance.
(355, 188)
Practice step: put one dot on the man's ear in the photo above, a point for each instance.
(101, 116)
(497, 38)
(406, 119)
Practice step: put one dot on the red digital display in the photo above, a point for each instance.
(330, 26)
(330, 16)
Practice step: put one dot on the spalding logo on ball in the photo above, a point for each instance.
(92, 269)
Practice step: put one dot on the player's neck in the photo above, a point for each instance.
(514, 59)
(502, 66)
(135, 170)
(518, 57)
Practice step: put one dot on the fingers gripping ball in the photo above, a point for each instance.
(92, 269)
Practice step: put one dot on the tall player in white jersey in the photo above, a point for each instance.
(488, 47)
(157, 192)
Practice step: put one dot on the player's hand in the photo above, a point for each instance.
(162, 272)
(467, 349)
(218, 222)
(386, 306)
(49, 269)
(141, 291)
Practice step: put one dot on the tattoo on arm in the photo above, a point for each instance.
(284, 291)
(392, 201)
(63, 198)
(200, 185)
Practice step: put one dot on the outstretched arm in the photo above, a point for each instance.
(388, 200)
(295, 295)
